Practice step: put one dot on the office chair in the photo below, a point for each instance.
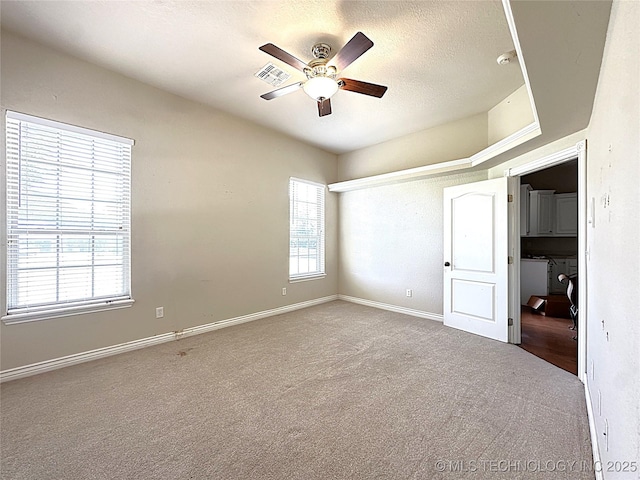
(572, 293)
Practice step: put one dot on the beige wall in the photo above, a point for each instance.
(391, 239)
(613, 265)
(510, 115)
(452, 141)
(209, 205)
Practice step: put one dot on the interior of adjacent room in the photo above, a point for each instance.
(549, 248)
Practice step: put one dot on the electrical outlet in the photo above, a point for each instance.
(409, 292)
(159, 312)
(284, 291)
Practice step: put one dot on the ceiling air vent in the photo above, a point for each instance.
(272, 75)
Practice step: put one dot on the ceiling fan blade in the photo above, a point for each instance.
(355, 47)
(283, 56)
(282, 91)
(324, 107)
(365, 88)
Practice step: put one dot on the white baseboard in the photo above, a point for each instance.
(593, 433)
(393, 308)
(61, 362)
(54, 364)
(187, 332)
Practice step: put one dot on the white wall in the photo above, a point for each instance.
(391, 239)
(613, 266)
(209, 204)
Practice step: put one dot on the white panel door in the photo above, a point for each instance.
(475, 258)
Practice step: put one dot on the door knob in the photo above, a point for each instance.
(447, 264)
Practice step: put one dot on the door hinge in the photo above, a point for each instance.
(510, 322)
(509, 260)
(509, 198)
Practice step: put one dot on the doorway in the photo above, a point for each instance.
(548, 245)
(548, 249)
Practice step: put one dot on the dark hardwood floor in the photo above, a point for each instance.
(550, 339)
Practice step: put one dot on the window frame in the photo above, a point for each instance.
(320, 272)
(14, 313)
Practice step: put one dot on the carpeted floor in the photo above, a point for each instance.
(336, 391)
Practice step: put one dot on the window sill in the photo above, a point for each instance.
(36, 316)
(306, 278)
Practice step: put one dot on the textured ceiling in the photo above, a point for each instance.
(438, 58)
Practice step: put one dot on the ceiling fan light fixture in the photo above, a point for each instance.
(322, 82)
(320, 87)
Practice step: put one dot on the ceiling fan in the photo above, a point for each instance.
(322, 81)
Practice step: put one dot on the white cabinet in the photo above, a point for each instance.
(539, 276)
(566, 214)
(544, 213)
(534, 278)
(541, 206)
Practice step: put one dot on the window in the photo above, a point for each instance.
(68, 219)
(306, 230)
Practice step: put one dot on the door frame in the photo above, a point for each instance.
(579, 151)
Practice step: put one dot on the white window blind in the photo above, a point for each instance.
(68, 217)
(306, 229)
